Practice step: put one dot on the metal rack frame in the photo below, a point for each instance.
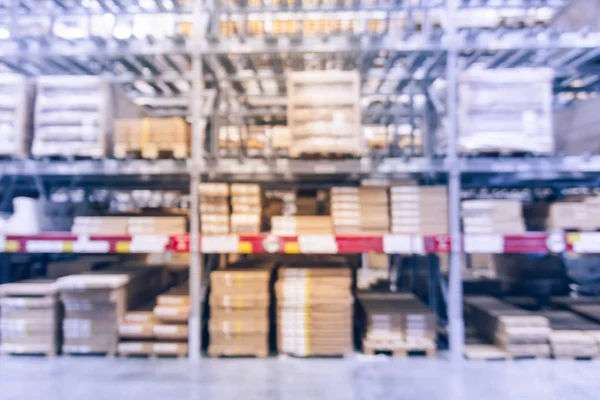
(205, 60)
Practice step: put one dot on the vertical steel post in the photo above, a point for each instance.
(196, 166)
(455, 296)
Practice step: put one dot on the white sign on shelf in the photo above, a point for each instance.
(589, 242)
(148, 243)
(396, 243)
(317, 244)
(44, 246)
(484, 243)
(2, 243)
(220, 244)
(83, 244)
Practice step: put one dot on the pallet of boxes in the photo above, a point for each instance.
(397, 323)
(95, 303)
(324, 113)
(30, 316)
(152, 138)
(240, 301)
(161, 330)
(515, 333)
(360, 209)
(419, 209)
(314, 311)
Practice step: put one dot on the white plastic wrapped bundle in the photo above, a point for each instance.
(506, 110)
(73, 116)
(16, 96)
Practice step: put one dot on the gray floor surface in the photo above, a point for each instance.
(354, 378)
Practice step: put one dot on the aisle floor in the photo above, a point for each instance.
(358, 378)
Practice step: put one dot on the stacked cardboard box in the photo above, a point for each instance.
(240, 299)
(156, 225)
(214, 208)
(246, 204)
(100, 225)
(518, 332)
(291, 226)
(419, 209)
(129, 225)
(580, 215)
(151, 136)
(136, 333)
(572, 336)
(171, 331)
(95, 303)
(161, 330)
(314, 311)
(397, 322)
(493, 216)
(363, 209)
(324, 113)
(29, 318)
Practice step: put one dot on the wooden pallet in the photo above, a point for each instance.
(98, 355)
(26, 354)
(217, 354)
(151, 153)
(324, 155)
(485, 352)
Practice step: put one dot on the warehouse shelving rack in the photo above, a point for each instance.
(185, 73)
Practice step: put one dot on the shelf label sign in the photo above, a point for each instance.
(484, 243)
(44, 246)
(403, 244)
(317, 244)
(83, 244)
(148, 243)
(585, 242)
(220, 244)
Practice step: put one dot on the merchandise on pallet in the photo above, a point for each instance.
(578, 214)
(246, 208)
(324, 113)
(518, 332)
(240, 299)
(505, 111)
(156, 225)
(129, 225)
(74, 116)
(359, 209)
(214, 208)
(136, 333)
(96, 302)
(16, 100)
(314, 311)
(493, 216)
(419, 209)
(572, 336)
(30, 317)
(152, 138)
(171, 330)
(397, 323)
(298, 225)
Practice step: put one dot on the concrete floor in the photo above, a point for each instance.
(358, 378)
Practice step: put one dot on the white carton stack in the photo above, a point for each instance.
(214, 208)
(73, 116)
(419, 209)
(246, 204)
(506, 110)
(493, 216)
(16, 96)
(359, 209)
